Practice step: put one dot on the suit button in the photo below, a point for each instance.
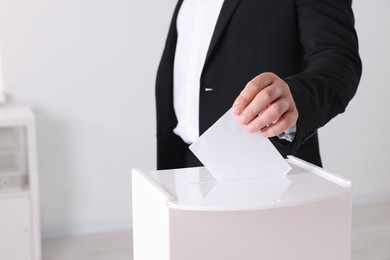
(209, 89)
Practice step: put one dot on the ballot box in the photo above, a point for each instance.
(185, 214)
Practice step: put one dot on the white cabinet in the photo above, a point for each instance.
(15, 238)
(19, 196)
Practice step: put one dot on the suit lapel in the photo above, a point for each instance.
(227, 11)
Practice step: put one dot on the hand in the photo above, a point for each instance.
(266, 105)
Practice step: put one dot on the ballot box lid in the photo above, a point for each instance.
(196, 189)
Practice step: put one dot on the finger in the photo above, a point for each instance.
(250, 91)
(260, 103)
(270, 115)
(287, 120)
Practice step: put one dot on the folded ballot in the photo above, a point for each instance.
(231, 153)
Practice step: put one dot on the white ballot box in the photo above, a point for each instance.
(185, 214)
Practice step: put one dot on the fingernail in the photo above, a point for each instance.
(250, 128)
(242, 120)
(236, 110)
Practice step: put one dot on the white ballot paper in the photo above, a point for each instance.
(231, 153)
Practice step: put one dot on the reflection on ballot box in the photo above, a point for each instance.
(185, 214)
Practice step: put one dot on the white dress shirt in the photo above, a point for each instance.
(195, 26)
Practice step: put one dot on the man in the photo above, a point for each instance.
(285, 67)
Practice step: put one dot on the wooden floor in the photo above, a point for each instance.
(370, 240)
(371, 232)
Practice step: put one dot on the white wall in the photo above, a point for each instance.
(356, 144)
(88, 67)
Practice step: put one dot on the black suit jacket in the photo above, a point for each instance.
(311, 44)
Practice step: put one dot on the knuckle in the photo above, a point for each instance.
(253, 87)
(284, 85)
(242, 99)
(290, 119)
(250, 111)
(245, 96)
(269, 74)
(267, 94)
(277, 109)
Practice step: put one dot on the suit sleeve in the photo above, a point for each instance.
(333, 65)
